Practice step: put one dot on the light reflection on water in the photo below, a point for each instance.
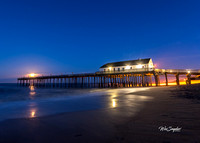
(32, 90)
(126, 97)
(115, 98)
(31, 87)
(32, 104)
(32, 114)
(33, 107)
(67, 100)
(114, 104)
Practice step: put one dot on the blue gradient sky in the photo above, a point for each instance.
(45, 36)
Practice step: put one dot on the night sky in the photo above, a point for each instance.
(58, 37)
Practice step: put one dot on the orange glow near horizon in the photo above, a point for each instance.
(195, 81)
(174, 83)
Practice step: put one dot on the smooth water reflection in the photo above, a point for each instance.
(126, 97)
(114, 104)
(31, 87)
(32, 114)
(32, 90)
(58, 101)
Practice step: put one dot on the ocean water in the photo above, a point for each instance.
(30, 102)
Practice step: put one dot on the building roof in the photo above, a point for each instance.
(125, 63)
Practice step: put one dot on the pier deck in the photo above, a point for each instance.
(127, 78)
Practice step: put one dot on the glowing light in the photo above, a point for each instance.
(195, 81)
(32, 114)
(139, 66)
(113, 103)
(32, 93)
(151, 66)
(127, 67)
(188, 72)
(32, 75)
(32, 88)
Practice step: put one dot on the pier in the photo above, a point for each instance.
(107, 79)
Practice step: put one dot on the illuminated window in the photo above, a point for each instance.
(139, 66)
(127, 67)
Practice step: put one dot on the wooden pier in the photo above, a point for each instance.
(128, 78)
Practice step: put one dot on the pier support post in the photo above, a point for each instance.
(104, 81)
(101, 82)
(166, 79)
(111, 81)
(115, 80)
(94, 81)
(189, 79)
(177, 79)
(65, 82)
(53, 82)
(88, 81)
(157, 80)
(69, 82)
(151, 80)
(140, 80)
(82, 81)
(61, 82)
(143, 80)
(132, 80)
(108, 81)
(136, 80)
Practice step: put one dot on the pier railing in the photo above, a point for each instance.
(179, 71)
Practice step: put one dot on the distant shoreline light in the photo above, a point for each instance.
(32, 75)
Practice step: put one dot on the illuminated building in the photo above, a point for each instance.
(140, 64)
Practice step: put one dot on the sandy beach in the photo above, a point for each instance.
(138, 122)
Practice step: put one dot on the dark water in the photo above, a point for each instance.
(30, 102)
(12, 92)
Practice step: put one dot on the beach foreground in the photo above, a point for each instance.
(166, 106)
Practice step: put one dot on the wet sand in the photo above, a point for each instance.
(169, 106)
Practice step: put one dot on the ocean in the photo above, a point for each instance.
(30, 102)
